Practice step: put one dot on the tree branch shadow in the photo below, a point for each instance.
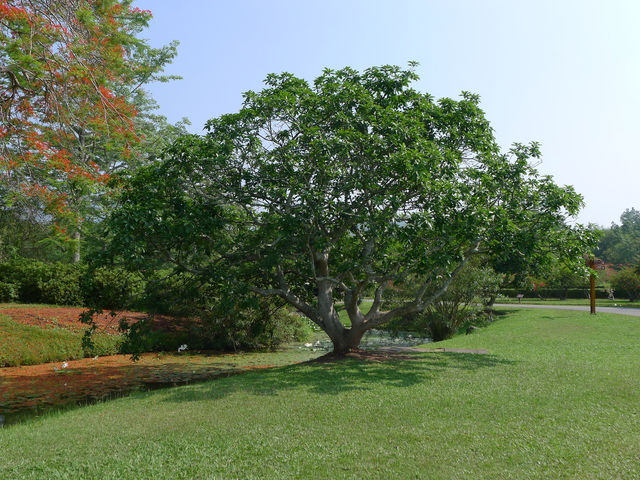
(333, 378)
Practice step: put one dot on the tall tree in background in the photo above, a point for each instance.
(620, 244)
(71, 73)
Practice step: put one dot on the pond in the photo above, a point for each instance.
(29, 391)
(371, 340)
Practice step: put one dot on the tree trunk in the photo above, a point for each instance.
(491, 301)
(76, 246)
(343, 339)
(346, 341)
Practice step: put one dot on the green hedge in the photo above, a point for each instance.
(33, 281)
(548, 292)
(111, 288)
(39, 282)
(8, 292)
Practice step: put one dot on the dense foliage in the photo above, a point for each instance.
(198, 318)
(620, 244)
(39, 282)
(70, 98)
(461, 306)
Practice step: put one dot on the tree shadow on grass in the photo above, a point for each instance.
(340, 376)
(22, 397)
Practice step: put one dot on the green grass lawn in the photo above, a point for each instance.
(557, 397)
(28, 345)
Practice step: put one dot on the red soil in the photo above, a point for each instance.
(69, 317)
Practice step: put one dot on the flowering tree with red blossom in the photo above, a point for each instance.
(70, 72)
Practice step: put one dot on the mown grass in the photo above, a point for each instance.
(29, 345)
(585, 302)
(556, 398)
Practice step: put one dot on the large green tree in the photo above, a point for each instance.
(327, 192)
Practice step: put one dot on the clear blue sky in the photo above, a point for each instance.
(565, 73)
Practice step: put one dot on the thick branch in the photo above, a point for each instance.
(351, 305)
(292, 300)
(377, 301)
(285, 293)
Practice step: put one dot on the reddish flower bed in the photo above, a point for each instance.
(69, 317)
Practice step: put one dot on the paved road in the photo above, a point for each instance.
(619, 310)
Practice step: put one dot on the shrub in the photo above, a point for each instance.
(457, 308)
(70, 284)
(178, 294)
(626, 283)
(110, 287)
(40, 282)
(250, 323)
(207, 318)
(29, 274)
(8, 291)
(61, 284)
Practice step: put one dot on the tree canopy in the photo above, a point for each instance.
(327, 192)
(70, 98)
(620, 244)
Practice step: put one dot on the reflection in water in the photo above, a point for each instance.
(372, 339)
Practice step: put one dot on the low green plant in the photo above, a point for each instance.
(460, 307)
(554, 292)
(29, 273)
(210, 317)
(8, 291)
(61, 284)
(626, 283)
(39, 282)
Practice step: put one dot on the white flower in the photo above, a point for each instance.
(65, 365)
(182, 347)
(317, 344)
(96, 357)
(308, 345)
